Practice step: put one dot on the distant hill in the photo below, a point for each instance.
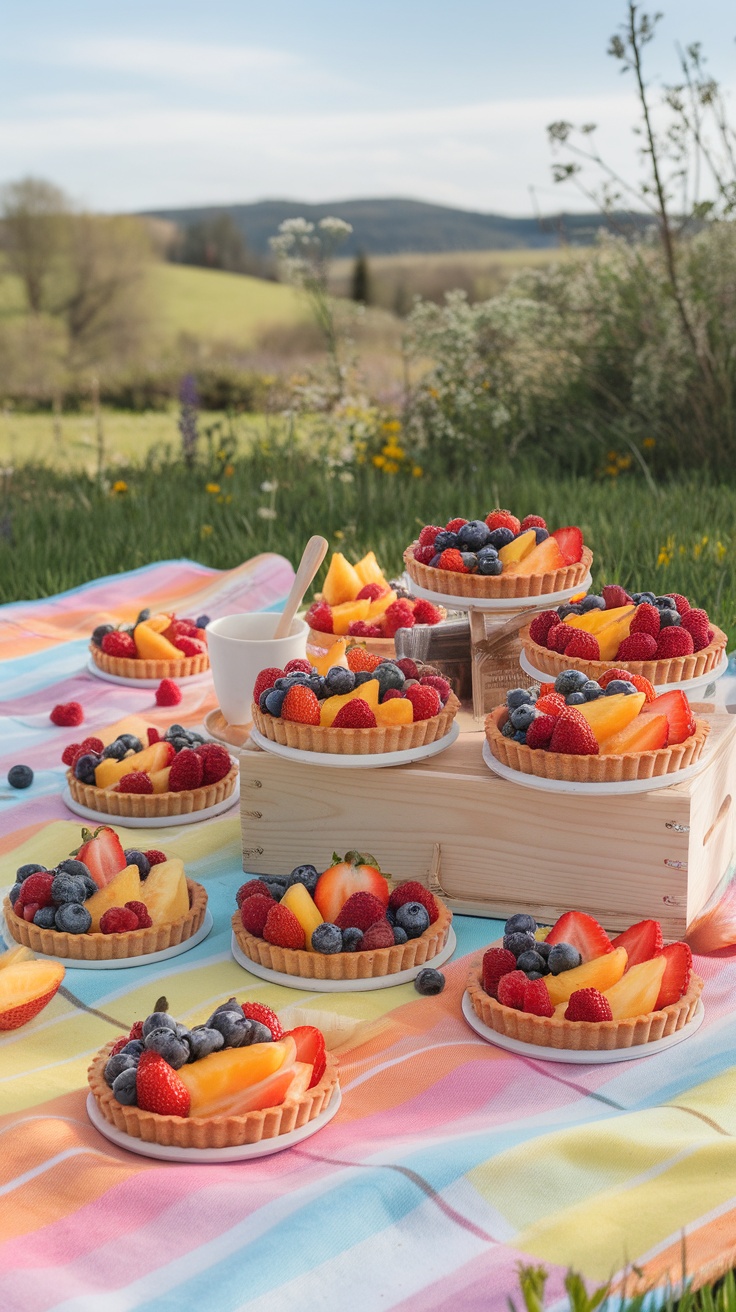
(396, 226)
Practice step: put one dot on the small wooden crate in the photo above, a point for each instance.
(503, 847)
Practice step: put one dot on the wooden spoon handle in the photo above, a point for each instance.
(312, 557)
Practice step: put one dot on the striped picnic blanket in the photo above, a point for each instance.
(450, 1161)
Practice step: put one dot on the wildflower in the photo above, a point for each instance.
(416, 471)
(720, 551)
(379, 461)
(212, 488)
(228, 471)
(623, 462)
(663, 558)
(221, 455)
(268, 486)
(390, 467)
(611, 457)
(649, 443)
(299, 227)
(334, 227)
(206, 531)
(338, 533)
(612, 471)
(392, 426)
(393, 451)
(119, 488)
(433, 393)
(266, 512)
(345, 476)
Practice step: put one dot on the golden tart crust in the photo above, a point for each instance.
(129, 667)
(673, 670)
(110, 947)
(210, 1131)
(370, 964)
(152, 805)
(582, 1035)
(346, 742)
(480, 586)
(593, 769)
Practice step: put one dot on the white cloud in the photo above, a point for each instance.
(203, 62)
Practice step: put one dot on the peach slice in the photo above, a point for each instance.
(347, 613)
(600, 973)
(369, 571)
(540, 560)
(335, 655)
(123, 887)
(26, 987)
(160, 780)
(398, 710)
(608, 715)
(165, 892)
(368, 691)
(216, 1082)
(637, 991)
(155, 757)
(612, 635)
(153, 646)
(342, 582)
(520, 547)
(646, 733)
(381, 604)
(297, 899)
(593, 621)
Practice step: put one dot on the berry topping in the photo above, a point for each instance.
(426, 613)
(696, 623)
(674, 641)
(551, 703)
(361, 911)
(615, 596)
(359, 660)
(119, 920)
(254, 912)
(296, 666)
(355, 714)
(677, 973)
(588, 1004)
(186, 772)
(536, 999)
(189, 646)
(425, 701)
(35, 891)
(541, 625)
(158, 1087)
(266, 679)
(441, 685)
(642, 942)
(154, 857)
(539, 733)
(452, 559)
(429, 982)
(399, 615)
(413, 891)
(637, 647)
(584, 646)
(135, 782)
(140, 910)
(646, 620)
(424, 555)
(216, 762)
(682, 603)
(559, 637)
(67, 715)
(570, 542)
(301, 705)
(562, 957)
(532, 521)
(496, 963)
(453, 525)
(511, 988)
(327, 938)
(428, 535)
(572, 734)
(251, 889)
(168, 693)
(582, 932)
(361, 629)
(119, 644)
(503, 519)
(370, 592)
(310, 1048)
(70, 753)
(258, 1011)
(282, 927)
(408, 667)
(319, 617)
(413, 918)
(379, 935)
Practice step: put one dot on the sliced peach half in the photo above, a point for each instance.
(26, 987)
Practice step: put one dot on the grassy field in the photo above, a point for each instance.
(215, 306)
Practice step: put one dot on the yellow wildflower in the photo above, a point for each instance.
(390, 467)
(379, 461)
(611, 457)
(392, 426)
(623, 462)
(119, 488)
(393, 451)
(228, 471)
(338, 534)
(212, 488)
(206, 531)
(416, 471)
(649, 443)
(682, 549)
(222, 455)
(663, 558)
(433, 393)
(720, 551)
(612, 471)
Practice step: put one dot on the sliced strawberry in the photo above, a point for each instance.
(642, 941)
(570, 542)
(581, 932)
(310, 1048)
(356, 874)
(676, 707)
(677, 974)
(102, 853)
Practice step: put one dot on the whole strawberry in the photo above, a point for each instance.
(426, 613)
(216, 762)
(158, 1087)
(425, 701)
(254, 912)
(541, 625)
(559, 637)
(282, 927)
(186, 771)
(379, 935)
(674, 641)
(265, 1016)
(301, 705)
(266, 679)
(583, 645)
(646, 620)
(355, 714)
(135, 782)
(572, 734)
(638, 647)
(697, 624)
(360, 912)
(503, 519)
(588, 1004)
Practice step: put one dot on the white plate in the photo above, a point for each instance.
(153, 822)
(343, 985)
(509, 605)
(127, 963)
(244, 1153)
(92, 668)
(570, 1056)
(367, 761)
(689, 686)
(591, 790)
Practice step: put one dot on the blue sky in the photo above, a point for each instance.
(166, 103)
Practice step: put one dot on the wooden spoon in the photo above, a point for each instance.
(312, 557)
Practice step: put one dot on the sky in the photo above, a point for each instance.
(160, 103)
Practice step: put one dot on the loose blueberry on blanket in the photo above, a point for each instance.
(20, 776)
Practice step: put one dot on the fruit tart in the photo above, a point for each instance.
(235, 1079)
(103, 903)
(585, 731)
(573, 987)
(662, 638)
(365, 705)
(498, 557)
(176, 774)
(358, 602)
(152, 647)
(349, 922)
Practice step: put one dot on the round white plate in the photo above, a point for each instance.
(127, 963)
(144, 683)
(509, 605)
(153, 822)
(358, 762)
(690, 686)
(591, 790)
(245, 1153)
(570, 1056)
(340, 985)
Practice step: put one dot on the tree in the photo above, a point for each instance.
(215, 243)
(33, 231)
(99, 294)
(361, 280)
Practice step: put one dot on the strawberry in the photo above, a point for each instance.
(637, 647)
(674, 641)
(216, 762)
(496, 963)
(355, 714)
(159, 1088)
(698, 626)
(362, 629)
(154, 857)
(140, 910)
(539, 733)
(361, 660)
(570, 542)
(281, 927)
(34, 891)
(190, 646)
(503, 519)
(67, 715)
(676, 707)
(135, 782)
(573, 734)
(615, 596)
(408, 668)
(102, 853)
(551, 703)
(676, 978)
(356, 873)
(511, 988)
(251, 889)
(119, 644)
(378, 935)
(425, 701)
(646, 620)
(70, 753)
(642, 941)
(301, 705)
(168, 693)
(412, 891)
(186, 772)
(310, 1048)
(453, 525)
(537, 999)
(559, 636)
(426, 613)
(298, 666)
(532, 521)
(428, 535)
(424, 555)
(541, 625)
(581, 932)
(152, 735)
(584, 646)
(118, 920)
(588, 1004)
(361, 911)
(319, 617)
(370, 592)
(265, 1016)
(642, 685)
(452, 559)
(682, 603)
(254, 912)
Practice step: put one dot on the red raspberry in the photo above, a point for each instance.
(119, 1045)
(391, 694)
(136, 1030)
(253, 888)
(362, 629)
(399, 615)
(266, 679)
(319, 617)
(497, 962)
(532, 521)
(298, 666)
(559, 636)
(452, 559)
(370, 592)
(135, 782)
(615, 673)
(637, 647)
(34, 890)
(181, 629)
(697, 625)
(424, 555)
(168, 693)
(360, 911)
(503, 519)
(425, 701)
(154, 857)
(70, 753)
(588, 1004)
(426, 613)
(537, 999)
(360, 660)
(301, 705)
(453, 525)
(646, 620)
(67, 715)
(119, 644)
(254, 912)
(216, 762)
(91, 745)
(552, 703)
(584, 646)
(140, 910)
(539, 733)
(615, 596)
(118, 920)
(282, 927)
(153, 735)
(541, 625)
(511, 989)
(379, 935)
(674, 642)
(408, 668)
(265, 1016)
(190, 646)
(412, 891)
(187, 771)
(682, 603)
(438, 683)
(428, 535)
(355, 714)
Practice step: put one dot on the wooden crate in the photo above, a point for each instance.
(502, 847)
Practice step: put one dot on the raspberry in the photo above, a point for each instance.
(70, 753)
(215, 762)
(154, 857)
(181, 629)
(253, 888)
(67, 715)
(397, 617)
(359, 660)
(646, 620)
(497, 962)
(391, 694)
(637, 647)
(119, 644)
(119, 1045)
(452, 559)
(541, 625)
(559, 636)
(298, 666)
(362, 629)
(153, 735)
(36, 889)
(136, 1030)
(674, 641)
(503, 519)
(552, 703)
(428, 535)
(537, 999)
(118, 920)
(413, 891)
(573, 734)
(532, 521)
(319, 616)
(682, 603)
(584, 646)
(425, 701)
(301, 705)
(408, 668)
(282, 927)
(588, 1004)
(168, 693)
(190, 646)
(140, 910)
(360, 912)
(370, 592)
(615, 596)
(355, 714)
(511, 989)
(135, 782)
(438, 683)
(453, 525)
(379, 935)
(695, 622)
(266, 679)
(265, 1016)
(187, 771)
(91, 745)
(426, 613)
(539, 733)
(616, 673)
(254, 912)
(425, 555)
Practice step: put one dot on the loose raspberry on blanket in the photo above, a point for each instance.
(67, 715)
(168, 693)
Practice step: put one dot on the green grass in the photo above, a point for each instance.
(216, 306)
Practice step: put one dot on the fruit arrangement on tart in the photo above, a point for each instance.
(152, 647)
(498, 557)
(171, 775)
(26, 986)
(358, 602)
(349, 922)
(362, 703)
(103, 903)
(573, 987)
(585, 730)
(238, 1078)
(663, 638)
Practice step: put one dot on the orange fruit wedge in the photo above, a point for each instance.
(217, 1083)
(600, 973)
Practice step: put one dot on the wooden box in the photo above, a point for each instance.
(498, 847)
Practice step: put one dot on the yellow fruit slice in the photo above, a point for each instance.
(611, 637)
(595, 620)
(342, 583)
(608, 715)
(600, 973)
(369, 571)
(14, 957)
(335, 655)
(381, 605)
(398, 710)
(645, 734)
(515, 551)
(155, 757)
(215, 1082)
(25, 989)
(297, 899)
(347, 613)
(331, 705)
(159, 623)
(124, 887)
(160, 780)
(543, 558)
(637, 992)
(153, 646)
(165, 892)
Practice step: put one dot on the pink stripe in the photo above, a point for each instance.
(481, 1285)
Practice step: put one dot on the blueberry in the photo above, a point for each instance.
(288, 681)
(575, 699)
(134, 1048)
(617, 686)
(158, 1020)
(570, 681)
(500, 537)
(169, 1046)
(352, 939)
(25, 872)
(570, 608)
(134, 857)
(531, 960)
(389, 676)
(413, 918)
(276, 887)
(444, 541)
(85, 766)
(339, 681)
(274, 700)
(99, 633)
(143, 615)
(391, 916)
(203, 1040)
(541, 534)
(645, 596)
(115, 751)
(317, 683)
(262, 699)
(533, 974)
(487, 553)
(327, 938)
(13, 894)
(518, 697)
(235, 1029)
(125, 1089)
(20, 776)
(435, 562)
(196, 739)
(470, 561)
(73, 867)
(174, 731)
(519, 942)
(562, 957)
(306, 875)
(429, 982)
(669, 619)
(73, 918)
(90, 887)
(45, 917)
(665, 603)
(591, 602)
(179, 744)
(520, 923)
(363, 676)
(520, 736)
(489, 566)
(508, 729)
(544, 950)
(522, 716)
(202, 621)
(68, 888)
(122, 1061)
(260, 1033)
(592, 690)
(400, 935)
(474, 535)
(132, 743)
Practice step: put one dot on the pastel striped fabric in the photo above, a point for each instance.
(449, 1163)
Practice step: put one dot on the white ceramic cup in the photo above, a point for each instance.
(239, 647)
